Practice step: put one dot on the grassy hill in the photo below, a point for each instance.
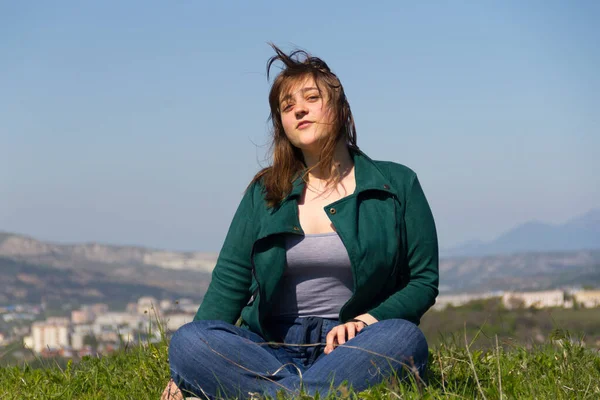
(554, 370)
(483, 319)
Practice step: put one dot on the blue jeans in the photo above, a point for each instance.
(214, 359)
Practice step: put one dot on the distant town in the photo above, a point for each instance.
(563, 298)
(91, 329)
(95, 329)
(68, 301)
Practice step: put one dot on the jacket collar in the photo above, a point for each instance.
(368, 177)
(284, 217)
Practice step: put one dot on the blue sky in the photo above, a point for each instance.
(141, 122)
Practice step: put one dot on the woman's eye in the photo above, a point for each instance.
(287, 107)
(313, 98)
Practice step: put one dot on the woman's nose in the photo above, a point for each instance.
(301, 110)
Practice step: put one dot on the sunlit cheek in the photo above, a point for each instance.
(288, 127)
(325, 116)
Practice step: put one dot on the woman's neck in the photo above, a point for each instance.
(342, 162)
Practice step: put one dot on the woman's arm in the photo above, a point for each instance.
(228, 291)
(419, 295)
(411, 302)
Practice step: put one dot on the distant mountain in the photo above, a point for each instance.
(31, 269)
(582, 232)
(25, 248)
(22, 282)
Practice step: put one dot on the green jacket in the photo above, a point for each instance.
(386, 226)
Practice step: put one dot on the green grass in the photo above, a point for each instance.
(488, 318)
(557, 370)
(137, 373)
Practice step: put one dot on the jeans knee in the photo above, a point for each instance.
(180, 342)
(409, 342)
(187, 340)
(192, 339)
(403, 327)
(407, 333)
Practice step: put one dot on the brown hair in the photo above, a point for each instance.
(287, 160)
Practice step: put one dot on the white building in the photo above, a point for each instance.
(587, 298)
(175, 321)
(456, 300)
(52, 334)
(116, 321)
(83, 316)
(28, 342)
(147, 305)
(187, 306)
(77, 339)
(543, 299)
(166, 304)
(78, 335)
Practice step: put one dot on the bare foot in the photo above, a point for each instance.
(171, 392)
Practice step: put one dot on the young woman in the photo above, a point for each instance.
(328, 265)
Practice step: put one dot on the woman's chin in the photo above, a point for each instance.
(309, 146)
(309, 143)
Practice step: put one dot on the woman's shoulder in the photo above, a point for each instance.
(255, 194)
(400, 176)
(395, 169)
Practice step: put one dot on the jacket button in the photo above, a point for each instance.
(386, 186)
(332, 211)
(296, 228)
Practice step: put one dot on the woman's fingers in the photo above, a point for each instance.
(360, 326)
(341, 334)
(330, 339)
(351, 329)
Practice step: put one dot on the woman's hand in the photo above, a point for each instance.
(342, 333)
(171, 392)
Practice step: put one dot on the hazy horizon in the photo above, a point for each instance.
(141, 123)
(596, 211)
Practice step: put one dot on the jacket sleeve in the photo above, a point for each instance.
(412, 301)
(228, 291)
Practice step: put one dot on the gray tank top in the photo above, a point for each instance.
(317, 280)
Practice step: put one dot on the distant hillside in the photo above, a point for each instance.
(70, 255)
(32, 269)
(522, 271)
(26, 283)
(580, 233)
(3, 236)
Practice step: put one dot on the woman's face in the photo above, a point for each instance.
(305, 115)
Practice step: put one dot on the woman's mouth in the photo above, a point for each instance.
(303, 124)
